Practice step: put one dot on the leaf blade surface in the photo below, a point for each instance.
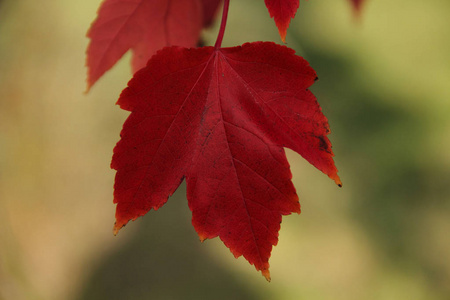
(144, 26)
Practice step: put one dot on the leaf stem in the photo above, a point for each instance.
(226, 5)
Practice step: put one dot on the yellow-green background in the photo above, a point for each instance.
(385, 87)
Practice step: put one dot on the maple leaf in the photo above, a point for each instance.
(282, 11)
(219, 118)
(144, 26)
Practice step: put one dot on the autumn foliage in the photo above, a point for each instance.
(143, 26)
(216, 117)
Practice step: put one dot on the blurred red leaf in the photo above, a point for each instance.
(282, 11)
(220, 118)
(210, 8)
(144, 26)
(357, 4)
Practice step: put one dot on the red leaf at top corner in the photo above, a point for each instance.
(282, 11)
(220, 118)
(144, 26)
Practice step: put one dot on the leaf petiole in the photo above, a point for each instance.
(223, 24)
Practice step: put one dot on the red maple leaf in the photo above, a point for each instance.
(144, 26)
(219, 118)
(282, 11)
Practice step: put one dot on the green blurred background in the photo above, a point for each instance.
(385, 88)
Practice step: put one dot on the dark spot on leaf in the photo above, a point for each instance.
(323, 145)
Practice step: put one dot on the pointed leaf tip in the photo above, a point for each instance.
(282, 11)
(266, 274)
(202, 237)
(116, 229)
(337, 180)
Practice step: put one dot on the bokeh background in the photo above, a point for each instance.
(385, 88)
